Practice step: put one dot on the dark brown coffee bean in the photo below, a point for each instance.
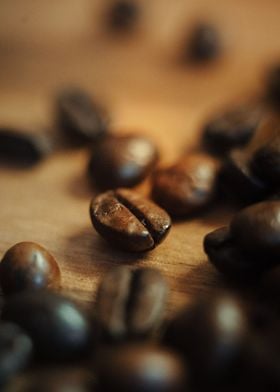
(79, 116)
(211, 335)
(256, 230)
(205, 43)
(15, 351)
(231, 129)
(18, 147)
(26, 266)
(122, 161)
(122, 16)
(128, 220)
(140, 368)
(273, 85)
(131, 303)
(238, 181)
(188, 185)
(58, 328)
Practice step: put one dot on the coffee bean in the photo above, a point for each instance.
(256, 230)
(211, 335)
(20, 147)
(140, 368)
(205, 43)
(128, 220)
(79, 116)
(26, 266)
(15, 351)
(273, 85)
(238, 180)
(58, 328)
(122, 16)
(131, 303)
(231, 129)
(122, 161)
(188, 185)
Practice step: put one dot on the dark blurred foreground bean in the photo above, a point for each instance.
(122, 16)
(204, 43)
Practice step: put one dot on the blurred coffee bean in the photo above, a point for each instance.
(238, 180)
(140, 368)
(128, 220)
(26, 266)
(211, 335)
(231, 129)
(225, 255)
(122, 161)
(18, 147)
(15, 351)
(80, 117)
(122, 16)
(58, 328)
(204, 43)
(187, 186)
(273, 85)
(256, 230)
(131, 303)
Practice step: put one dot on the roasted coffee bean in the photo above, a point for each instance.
(58, 328)
(131, 303)
(273, 85)
(188, 185)
(266, 161)
(18, 147)
(225, 255)
(122, 161)
(15, 351)
(128, 220)
(122, 16)
(211, 335)
(256, 230)
(26, 266)
(231, 129)
(79, 116)
(140, 368)
(238, 181)
(205, 43)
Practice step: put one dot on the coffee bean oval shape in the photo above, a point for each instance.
(256, 230)
(231, 129)
(15, 351)
(79, 116)
(122, 161)
(20, 147)
(122, 16)
(58, 328)
(128, 220)
(211, 335)
(27, 266)
(140, 368)
(131, 303)
(205, 43)
(187, 186)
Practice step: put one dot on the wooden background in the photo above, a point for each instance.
(45, 45)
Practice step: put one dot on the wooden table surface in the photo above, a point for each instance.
(145, 89)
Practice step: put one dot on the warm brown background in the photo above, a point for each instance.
(47, 44)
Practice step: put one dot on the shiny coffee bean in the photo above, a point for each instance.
(23, 148)
(205, 43)
(231, 129)
(128, 220)
(15, 351)
(211, 335)
(225, 255)
(122, 16)
(140, 368)
(122, 161)
(188, 185)
(58, 328)
(256, 230)
(131, 303)
(26, 266)
(238, 180)
(79, 117)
